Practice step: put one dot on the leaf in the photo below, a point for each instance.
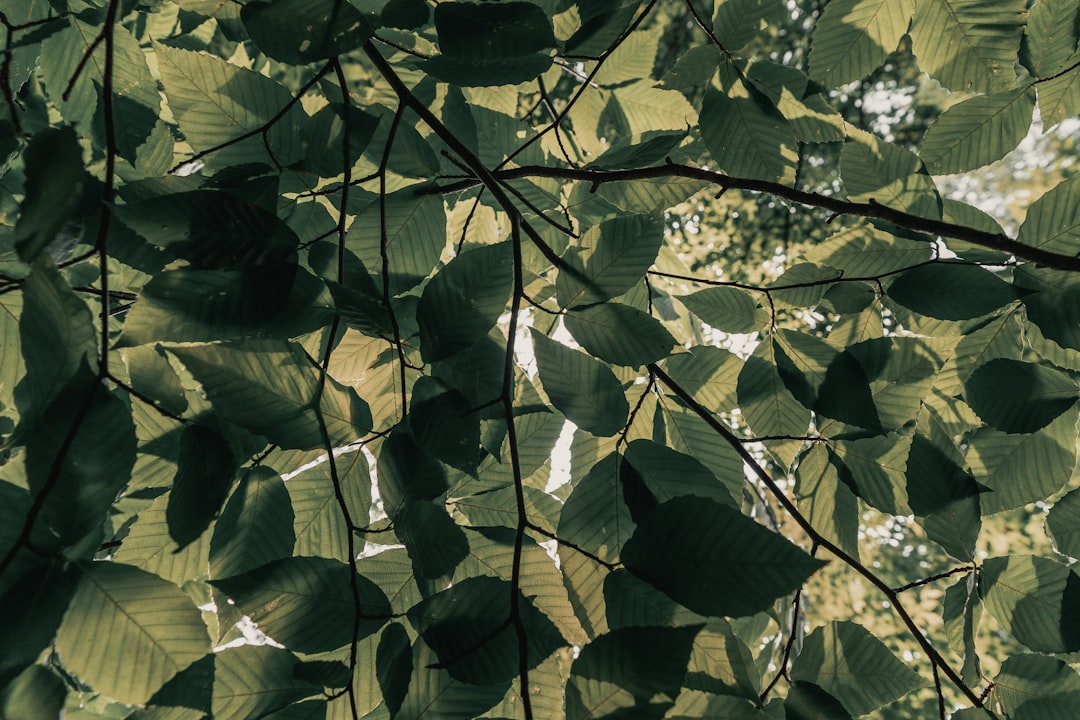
(245, 382)
(1059, 96)
(37, 693)
(1050, 36)
(951, 292)
(435, 542)
(619, 334)
(767, 404)
(889, 175)
(434, 693)
(1034, 687)
(727, 309)
(876, 468)
(150, 547)
(853, 37)
(1035, 599)
(406, 472)
(215, 102)
(865, 251)
(711, 374)
(968, 45)
(713, 559)
(79, 455)
(301, 31)
(1023, 468)
(484, 45)
(319, 523)
(748, 138)
(852, 665)
(622, 251)
(1019, 397)
(445, 424)
(203, 477)
(307, 603)
(977, 131)
(581, 388)
(254, 681)
(466, 625)
(737, 22)
(668, 474)
(255, 527)
(55, 183)
(1063, 522)
(464, 300)
(113, 636)
(636, 667)
(415, 234)
(1053, 221)
(826, 501)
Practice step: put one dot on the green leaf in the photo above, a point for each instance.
(255, 527)
(254, 681)
(302, 31)
(634, 669)
(637, 155)
(79, 455)
(245, 382)
(668, 474)
(865, 251)
(1036, 687)
(1059, 96)
(581, 388)
(56, 334)
(215, 102)
(307, 603)
(969, 45)
(150, 547)
(853, 37)
(113, 636)
(710, 373)
(618, 254)
(737, 22)
(55, 183)
(1053, 221)
(503, 44)
(1023, 468)
(951, 291)
(415, 235)
(1050, 36)
(435, 542)
(727, 309)
(466, 625)
(977, 131)
(1063, 522)
(34, 606)
(434, 693)
(1019, 397)
(1055, 307)
(713, 559)
(619, 334)
(464, 300)
(747, 137)
(204, 475)
(1035, 599)
(319, 523)
(445, 424)
(876, 468)
(826, 501)
(853, 666)
(767, 404)
(406, 472)
(889, 175)
(36, 694)
(960, 612)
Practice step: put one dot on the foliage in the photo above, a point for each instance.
(299, 295)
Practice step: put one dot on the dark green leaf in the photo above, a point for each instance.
(619, 333)
(634, 669)
(713, 559)
(951, 292)
(620, 252)
(1036, 599)
(1019, 397)
(581, 388)
(304, 31)
(854, 667)
(139, 653)
(435, 542)
(727, 309)
(254, 681)
(307, 603)
(203, 477)
(468, 627)
(464, 300)
(37, 694)
(255, 527)
(393, 665)
(55, 182)
(1036, 687)
(406, 472)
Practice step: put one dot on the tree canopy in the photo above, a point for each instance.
(538, 359)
